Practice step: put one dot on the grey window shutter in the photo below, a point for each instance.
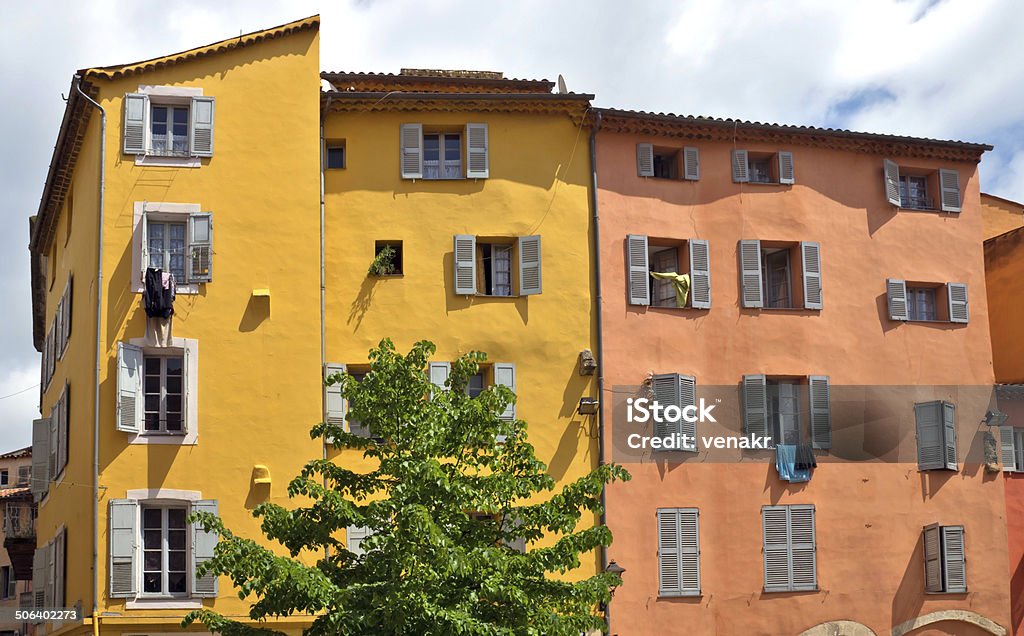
(51, 571)
(517, 543)
(956, 293)
(40, 457)
(775, 535)
(953, 559)
(58, 320)
(786, 172)
(333, 401)
(896, 291)
(529, 265)
(60, 565)
(891, 174)
(688, 397)
(62, 428)
(476, 151)
(949, 185)
(666, 390)
(1007, 451)
(40, 561)
(644, 160)
(802, 548)
(412, 151)
(66, 313)
(201, 133)
(930, 446)
(54, 440)
(932, 558)
(689, 547)
(203, 545)
(811, 253)
(949, 435)
(200, 247)
(740, 166)
(505, 375)
(821, 411)
(670, 579)
(691, 163)
(439, 372)
(639, 274)
(354, 539)
(755, 405)
(750, 273)
(465, 264)
(700, 274)
(136, 113)
(123, 545)
(129, 388)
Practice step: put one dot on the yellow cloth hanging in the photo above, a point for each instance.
(680, 281)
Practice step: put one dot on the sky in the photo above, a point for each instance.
(947, 69)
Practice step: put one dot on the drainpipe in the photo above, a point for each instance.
(596, 233)
(323, 284)
(99, 365)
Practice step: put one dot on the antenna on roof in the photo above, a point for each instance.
(562, 90)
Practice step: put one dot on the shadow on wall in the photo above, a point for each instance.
(1017, 600)
(454, 302)
(256, 311)
(361, 304)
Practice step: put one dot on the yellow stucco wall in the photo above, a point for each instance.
(1000, 215)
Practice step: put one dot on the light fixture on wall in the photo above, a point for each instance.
(587, 406)
(995, 418)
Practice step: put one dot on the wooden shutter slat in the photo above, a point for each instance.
(669, 566)
(505, 375)
(953, 560)
(639, 274)
(477, 151)
(775, 537)
(136, 114)
(200, 248)
(1007, 453)
(688, 397)
(123, 546)
(949, 186)
(891, 182)
(930, 446)
(203, 545)
(755, 405)
(932, 559)
(529, 265)
(333, 400)
(665, 387)
(949, 435)
(201, 132)
(740, 166)
(786, 171)
(129, 388)
(700, 274)
(811, 254)
(691, 163)
(645, 160)
(821, 411)
(411, 142)
(40, 457)
(956, 294)
(439, 372)
(803, 548)
(750, 273)
(896, 292)
(464, 255)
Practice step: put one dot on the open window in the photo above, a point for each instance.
(387, 258)
(666, 162)
(1011, 443)
(789, 410)
(945, 560)
(497, 266)
(673, 273)
(916, 188)
(749, 166)
(168, 123)
(780, 274)
(176, 238)
(922, 301)
(444, 152)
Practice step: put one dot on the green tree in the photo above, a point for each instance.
(447, 506)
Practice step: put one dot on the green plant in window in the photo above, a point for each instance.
(384, 262)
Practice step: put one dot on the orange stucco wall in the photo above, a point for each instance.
(869, 516)
(1004, 273)
(1000, 215)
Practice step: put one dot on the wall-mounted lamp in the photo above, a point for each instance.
(588, 365)
(995, 418)
(587, 406)
(615, 568)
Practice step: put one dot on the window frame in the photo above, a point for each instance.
(166, 222)
(165, 551)
(161, 212)
(920, 289)
(173, 96)
(189, 347)
(27, 471)
(441, 163)
(172, 105)
(773, 253)
(164, 354)
(1018, 448)
(335, 145)
(5, 477)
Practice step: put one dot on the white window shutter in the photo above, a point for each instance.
(932, 558)
(639, 274)
(775, 537)
(802, 548)
(333, 401)
(40, 561)
(949, 435)
(412, 151)
(811, 253)
(505, 375)
(755, 405)
(644, 160)
(665, 387)
(201, 131)
(136, 114)
(691, 163)
(354, 539)
(464, 254)
(200, 248)
(954, 559)
(750, 274)
(949, 186)
(956, 293)
(477, 151)
(930, 446)
(1007, 453)
(129, 388)
(896, 292)
(203, 545)
(786, 172)
(891, 175)
(821, 411)
(439, 373)
(670, 575)
(40, 457)
(688, 397)
(700, 274)
(529, 265)
(124, 533)
(740, 166)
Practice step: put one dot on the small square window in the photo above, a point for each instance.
(387, 259)
(336, 156)
(4, 478)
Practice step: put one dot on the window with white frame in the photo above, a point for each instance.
(442, 156)
(176, 238)
(164, 550)
(164, 389)
(168, 122)
(921, 303)
(157, 391)
(168, 127)
(165, 245)
(912, 188)
(443, 153)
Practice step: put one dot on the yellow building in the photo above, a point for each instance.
(1000, 215)
(149, 419)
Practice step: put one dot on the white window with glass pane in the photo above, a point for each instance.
(442, 156)
(164, 550)
(166, 246)
(921, 303)
(176, 238)
(164, 387)
(169, 130)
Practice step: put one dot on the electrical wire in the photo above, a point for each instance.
(34, 386)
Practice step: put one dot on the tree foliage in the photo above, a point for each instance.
(446, 504)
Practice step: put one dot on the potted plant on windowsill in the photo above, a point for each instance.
(384, 262)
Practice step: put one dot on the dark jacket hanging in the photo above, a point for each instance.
(158, 301)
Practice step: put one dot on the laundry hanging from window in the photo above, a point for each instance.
(158, 301)
(681, 283)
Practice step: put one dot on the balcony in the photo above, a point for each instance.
(916, 202)
(20, 534)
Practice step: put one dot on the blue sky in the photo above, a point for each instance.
(948, 69)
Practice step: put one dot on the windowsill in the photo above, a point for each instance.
(766, 183)
(399, 275)
(163, 602)
(189, 289)
(673, 308)
(163, 161)
(165, 439)
(510, 297)
(680, 595)
(784, 309)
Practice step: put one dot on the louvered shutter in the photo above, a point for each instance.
(129, 388)
(750, 273)
(58, 329)
(201, 133)
(51, 570)
(691, 163)
(136, 112)
(203, 545)
(688, 397)
(333, 401)
(811, 254)
(1007, 452)
(40, 457)
(670, 579)
(740, 166)
(949, 185)
(896, 291)
(953, 560)
(64, 407)
(639, 274)
(666, 387)
(775, 535)
(465, 264)
(505, 375)
(802, 546)
(529, 265)
(949, 435)
(59, 567)
(54, 440)
(200, 247)
(412, 151)
(354, 539)
(40, 561)
(123, 545)
(930, 446)
(476, 151)
(439, 373)
(700, 274)
(891, 174)
(69, 294)
(786, 172)
(755, 405)
(932, 559)
(644, 160)
(956, 293)
(821, 411)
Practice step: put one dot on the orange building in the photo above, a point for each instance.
(825, 290)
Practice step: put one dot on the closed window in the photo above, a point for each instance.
(444, 154)
(166, 247)
(4, 477)
(914, 192)
(164, 388)
(945, 560)
(169, 130)
(921, 303)
(336, 155)
(936, 435)
(678, 552)
(790, 548)
(164, 551)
